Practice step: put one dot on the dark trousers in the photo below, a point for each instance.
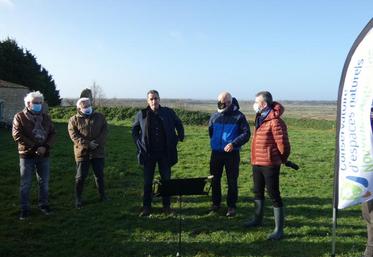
(82, 169)
(231, 162)
(149, 169)
(269, 177)
(367, 212)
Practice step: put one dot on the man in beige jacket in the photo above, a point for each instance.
(88, 131)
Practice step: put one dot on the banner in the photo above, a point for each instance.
(354, 144)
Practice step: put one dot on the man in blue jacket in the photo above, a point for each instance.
(155, 137)
(228, 131)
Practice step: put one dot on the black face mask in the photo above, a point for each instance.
(221, 105)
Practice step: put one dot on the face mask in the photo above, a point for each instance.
(221, 106)
(256, 108)
(36, 107)
(87, 111)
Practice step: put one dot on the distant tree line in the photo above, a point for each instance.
(19, 66)
(188, 117)
(128, 113)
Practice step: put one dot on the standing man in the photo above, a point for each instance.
(155, 137)
(269, 149)
(88, 131)
(228, 131)
(34, 132)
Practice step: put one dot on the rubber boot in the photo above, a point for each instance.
(278, 233)
(258, 215)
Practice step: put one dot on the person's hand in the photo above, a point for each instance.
(93, 145)
(41, 150)
(228, 148)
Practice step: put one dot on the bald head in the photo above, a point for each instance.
(225, 97)
(224, 101)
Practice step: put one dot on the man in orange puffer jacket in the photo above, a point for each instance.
(270, 148)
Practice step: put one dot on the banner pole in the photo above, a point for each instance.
(335, 211)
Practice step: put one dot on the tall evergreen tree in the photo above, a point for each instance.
(20, 66)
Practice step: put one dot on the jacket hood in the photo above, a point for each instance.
(235, 104)
(232, 108)
(277, 111)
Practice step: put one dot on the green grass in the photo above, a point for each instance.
(114, 228)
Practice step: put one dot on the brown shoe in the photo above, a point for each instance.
(231, 212)
(168, 210)
(145, 212)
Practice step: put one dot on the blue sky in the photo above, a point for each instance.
(190, 48)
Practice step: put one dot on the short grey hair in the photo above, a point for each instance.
(83, 99)
(267, 97)
(153, 92)
(32, 95)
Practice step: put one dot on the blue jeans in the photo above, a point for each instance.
(27, 168)
(149, 169)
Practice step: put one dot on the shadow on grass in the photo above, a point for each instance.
(255, 248)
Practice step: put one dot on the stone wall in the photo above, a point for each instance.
(12, 102)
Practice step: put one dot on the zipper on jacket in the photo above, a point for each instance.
(221, 135)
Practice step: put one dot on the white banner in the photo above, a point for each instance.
(354, 157)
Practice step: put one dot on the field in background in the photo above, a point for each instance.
(325, 110)
(114, 228)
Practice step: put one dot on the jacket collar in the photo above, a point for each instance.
(146, 110)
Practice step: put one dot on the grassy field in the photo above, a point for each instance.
(114, 228)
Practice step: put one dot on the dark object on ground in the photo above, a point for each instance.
(179, 187)
(291, 165)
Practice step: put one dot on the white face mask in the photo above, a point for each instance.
(87, 111)
(256, 108)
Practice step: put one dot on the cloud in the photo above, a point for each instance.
(6, 4)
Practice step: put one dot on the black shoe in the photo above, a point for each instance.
(231, 212)
(24, 214)
(45, 209)
(168, 211)
(104, 198)
(145, 212)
